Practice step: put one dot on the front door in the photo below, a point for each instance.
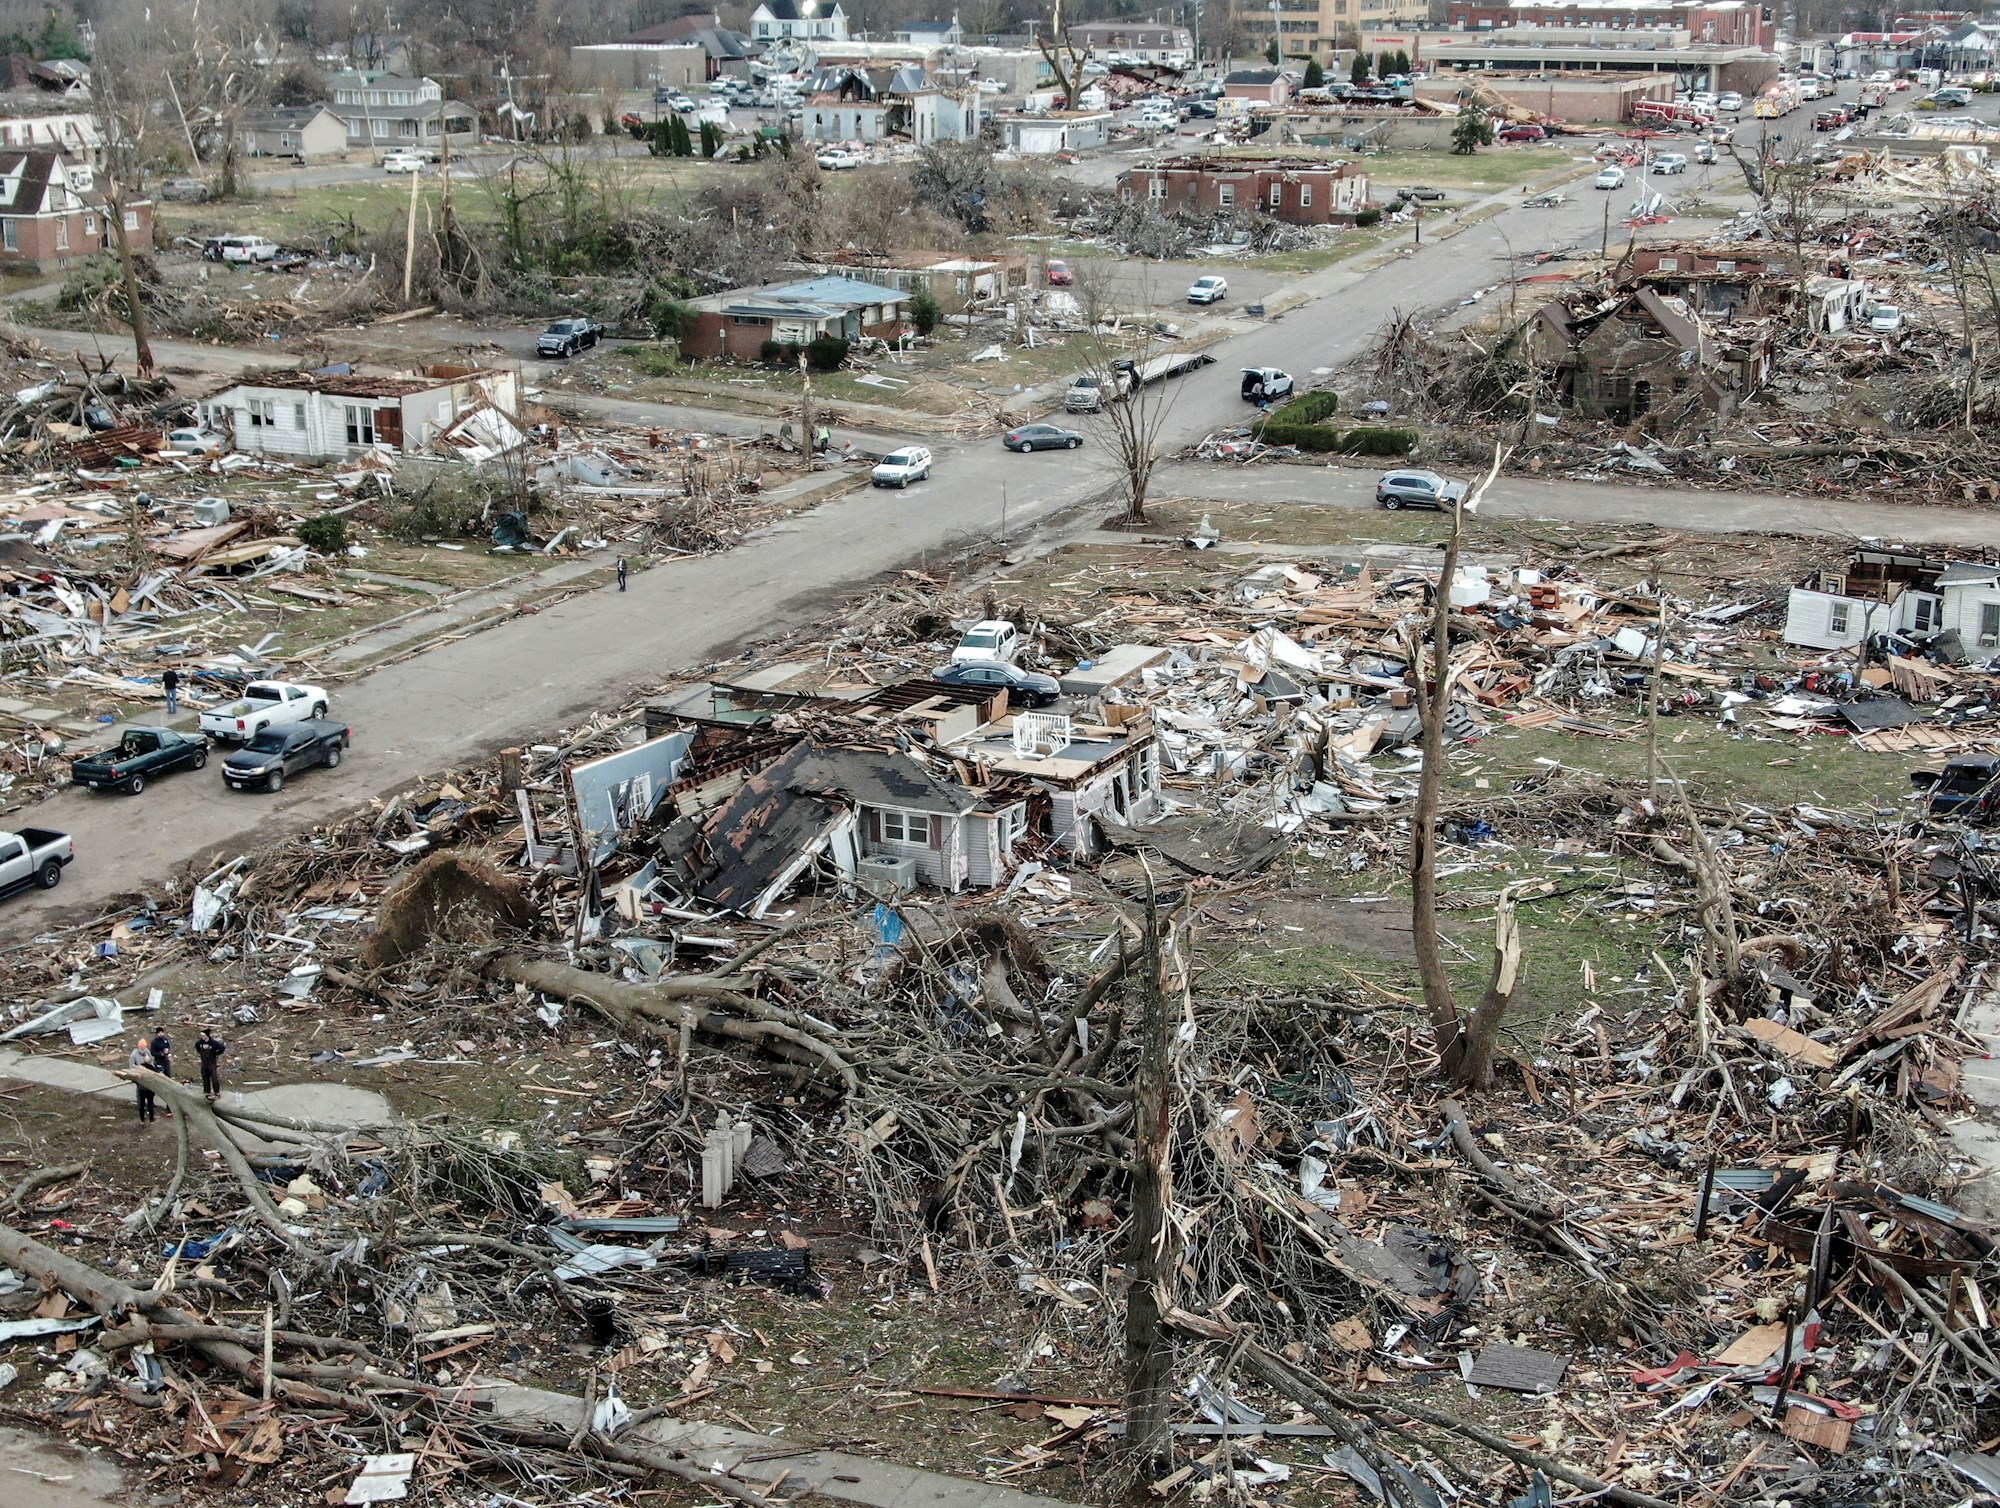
(389, 427)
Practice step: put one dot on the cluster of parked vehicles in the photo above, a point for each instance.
(279, 728)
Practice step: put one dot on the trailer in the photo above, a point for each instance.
(1131, 374)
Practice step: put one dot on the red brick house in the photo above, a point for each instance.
(52, 212)
(737, 325)
(1299, 193)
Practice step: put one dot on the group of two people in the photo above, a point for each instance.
(157, 1053)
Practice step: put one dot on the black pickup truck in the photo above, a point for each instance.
(275, 753)
(140, 755)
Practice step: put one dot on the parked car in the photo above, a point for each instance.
(1423, 192)
(1059, 274)
(402, 162)
(987, 640)
(1952, 98)
(139, 756)
(33, 856)
(1208, 290)
(1705, 153)
(839, 159)
(899, 468)
(1610, 176)
(1416, 489)
(240, 249)
(194, 442)
(264, 704)
(184, 191)
(1670, 162)
(1261, 384)
(1523, 133)
(1041, 437)
(1020, 685)
(1886, 320)
(1729, 101)
(1201, 109)
(568, 336)
(277, 753)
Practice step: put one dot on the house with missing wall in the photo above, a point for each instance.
(740, 323)
(339, 415)
(1902, 593)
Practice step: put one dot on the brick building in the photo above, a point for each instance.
(737, 324)
(1724, 23)
(51, 210)
(1148, 41)
(1299, 193)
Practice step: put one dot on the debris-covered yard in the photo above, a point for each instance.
(878, 1065)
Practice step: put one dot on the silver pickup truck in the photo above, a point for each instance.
(33, 856)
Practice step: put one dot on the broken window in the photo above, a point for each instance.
(1989, 623)
(263, 413)
(1226, 195)
(1836, 618)
(1159, 188)
(360, 424)
(1670, 264)
(1725, 266)
(906, 827)
(1927, 614)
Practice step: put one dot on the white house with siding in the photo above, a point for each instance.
(1882, 591)
(336, 416)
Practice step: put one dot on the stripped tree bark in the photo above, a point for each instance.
(1150, 1249)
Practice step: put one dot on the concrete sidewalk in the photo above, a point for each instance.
(762, 1459)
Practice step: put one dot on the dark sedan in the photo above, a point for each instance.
(278, 752)
(141, 754)
(1021, 685)
(1416, 489)
(1041, 437)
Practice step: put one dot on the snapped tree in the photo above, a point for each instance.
(1464, 1044)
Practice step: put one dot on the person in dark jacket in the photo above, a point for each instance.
(163, 1054)
(142, 1057)
(171, 684)
(210, 1048)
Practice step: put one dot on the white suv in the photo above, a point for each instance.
(246, 249)
(1208, 290)
(899, 468)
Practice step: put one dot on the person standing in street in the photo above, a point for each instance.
(142, 1057)
(621, 573)
(210, 1048)
(171, 683)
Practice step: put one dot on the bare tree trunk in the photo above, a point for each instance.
(142, 347)
(1149, 1252)
(1433, 697)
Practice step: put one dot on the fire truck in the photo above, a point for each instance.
(1671, 115)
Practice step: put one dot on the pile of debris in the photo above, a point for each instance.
(993, 989)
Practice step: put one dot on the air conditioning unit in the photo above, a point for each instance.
(882, 875)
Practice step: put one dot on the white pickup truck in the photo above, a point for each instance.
(33, 856)
(265, 704)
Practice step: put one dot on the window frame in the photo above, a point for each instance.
(1838, 617)
(901, 826)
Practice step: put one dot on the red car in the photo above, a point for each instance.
(1524, 133)
(1059, 274)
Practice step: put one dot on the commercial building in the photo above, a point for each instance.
(1561, 49)
(1582, 98)
(1050, 131)
(1146, 41)
(639, 64)
(1729, 23)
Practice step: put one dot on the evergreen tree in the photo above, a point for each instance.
(1315, 75)
(1402, 61)
(1271, 53)
(677, 135)
(1358, 73)
(924, 311)
(1472, 132)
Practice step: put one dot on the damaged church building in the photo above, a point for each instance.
(742, 794)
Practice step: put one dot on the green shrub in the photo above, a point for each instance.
(1379, 442)
(1324, 439)
(778, 353)
(324, 535)
(1368, 217)
(825, 353)
(924, 311)
(448, 507)
(656, 361)
(1308, 408)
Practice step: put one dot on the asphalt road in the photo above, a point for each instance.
(522, 680)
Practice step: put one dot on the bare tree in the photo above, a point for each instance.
(1119, 352)
(127, 100)
(1464, 1044)
(1064, 58)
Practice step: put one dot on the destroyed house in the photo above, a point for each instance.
(332, 416)
(1882, 591)
(1643, 350)
(1296, 192)
(847, 103)
(954, 281)
(1720, 282)
(870, 813)
(739, 324)
(1087, 773)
